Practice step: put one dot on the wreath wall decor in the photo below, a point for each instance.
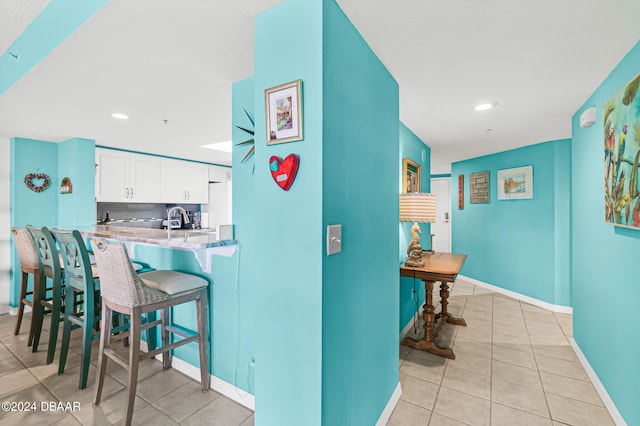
(37, 182)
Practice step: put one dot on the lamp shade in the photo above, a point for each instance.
(417, 207)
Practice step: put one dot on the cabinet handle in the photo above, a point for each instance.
(131, 192)
(127, 196)
(188, 195)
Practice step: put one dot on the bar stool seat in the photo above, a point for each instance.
(124, 291)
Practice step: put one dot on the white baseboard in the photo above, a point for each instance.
(536, 302)
(391, 405)
(238, 395)
(604, 395)
(13, 310)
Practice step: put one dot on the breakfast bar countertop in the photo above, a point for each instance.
(182, 239)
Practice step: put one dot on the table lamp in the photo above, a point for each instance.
(417, 207)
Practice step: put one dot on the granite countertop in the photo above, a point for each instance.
(183, 239)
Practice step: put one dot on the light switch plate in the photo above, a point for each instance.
(334, 239)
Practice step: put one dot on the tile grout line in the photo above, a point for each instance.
(535, 360)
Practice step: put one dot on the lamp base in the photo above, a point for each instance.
(414, 263)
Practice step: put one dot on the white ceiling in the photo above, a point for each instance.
(161, 60)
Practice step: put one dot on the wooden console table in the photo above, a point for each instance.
(443, 267)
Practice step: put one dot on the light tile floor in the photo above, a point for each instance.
(163, 397)
(514, 366)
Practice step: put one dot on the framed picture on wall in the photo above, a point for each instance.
(283, 108)
(410, 176)
(514, 184)
(621, 119)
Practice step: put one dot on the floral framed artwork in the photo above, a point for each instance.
(410, 176)
(515, 184)
(622, 157)
(283, 108)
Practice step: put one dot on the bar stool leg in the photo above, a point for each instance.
(165, 318)
(23, 294)
(34, 301)
(104, 343)
(38, 311)
(134, 359)
(202, 310)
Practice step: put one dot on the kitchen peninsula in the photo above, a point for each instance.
(198, 253)
(203, 244)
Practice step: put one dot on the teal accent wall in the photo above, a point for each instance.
(605, 283)
(230, 319)
(28, 207)
(316, 359)
(359, 191)
(288, 225)
(74, 158)
(57, 21)
(244, 218)
(411, 147)
(519, 245)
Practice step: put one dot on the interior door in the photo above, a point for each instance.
(442, 227)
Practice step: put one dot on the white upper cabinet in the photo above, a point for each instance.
(127, 177)
(184, 182)
(219, 174)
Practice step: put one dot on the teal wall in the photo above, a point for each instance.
(244, 217)
(605, 283)
(519, 245)
(229, 316)
(57, 21)
(360, 192)
(411, 147)
(74, 158)
(288, 224)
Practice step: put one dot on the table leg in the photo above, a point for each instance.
(429, 318)
(445, 315)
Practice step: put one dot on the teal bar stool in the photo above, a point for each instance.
(50, 269)
(124, 291)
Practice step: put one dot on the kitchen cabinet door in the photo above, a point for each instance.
(144, 178)
(172, 180)
(219, 174)
(112, 180)
(197, 183)
(127, 177)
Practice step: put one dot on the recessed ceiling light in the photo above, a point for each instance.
(219, 146)
(120, 116)
(485, 106)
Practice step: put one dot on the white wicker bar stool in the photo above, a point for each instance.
(126, 292)
(28, 265)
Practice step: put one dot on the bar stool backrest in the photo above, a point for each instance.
(119, 282)
(74, 253)
(25, 247)
(48, 255)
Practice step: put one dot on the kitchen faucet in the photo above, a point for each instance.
(185, 219)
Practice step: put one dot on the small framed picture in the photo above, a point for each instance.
(410, 176)
(283, 107)
(515, 184)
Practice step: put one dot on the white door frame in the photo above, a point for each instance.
(447, 202)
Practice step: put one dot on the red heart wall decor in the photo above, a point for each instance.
(284, 171)
(37, 182)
